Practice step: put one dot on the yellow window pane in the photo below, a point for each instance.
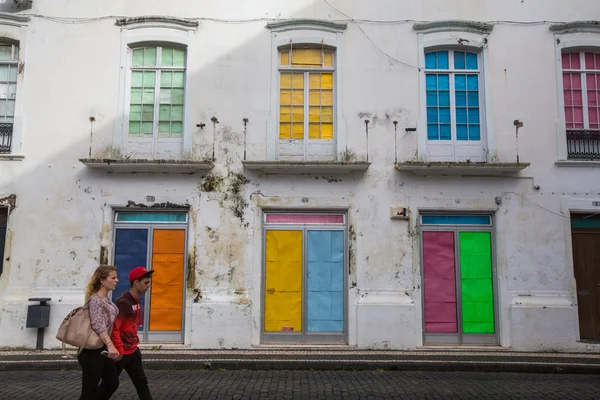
(298, 114)
(285, 58)
(285, 131)
(307, 57)
(327, 81)
(314, 114)
(297, 131)
(285, 117)
(314, 98)
(327, 131)
(314, 131)
(285, 80)
(285, 97)
(327, 114)
(297, 97)
(327, 97)
(314, 81)
(328, 62)
(298, 81)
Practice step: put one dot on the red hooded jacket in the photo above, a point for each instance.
(125, 329)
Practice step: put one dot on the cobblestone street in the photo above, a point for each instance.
(34, 385)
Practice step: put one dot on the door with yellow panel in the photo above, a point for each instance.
(155, 241)
(306, 103)
(304, 279)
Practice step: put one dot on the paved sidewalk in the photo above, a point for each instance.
(183, 385)
(301, 359)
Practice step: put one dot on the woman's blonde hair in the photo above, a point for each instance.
(100, 274)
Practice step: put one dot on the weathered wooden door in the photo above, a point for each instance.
(586, 262)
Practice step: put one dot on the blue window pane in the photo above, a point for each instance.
(456, 220)
(461, 115)
(473, 82)
(430, 60)
(151, 217)
(442, 60)
(474, 132)
(432, 114)
(431, 82)
(471, 61)
(460, 82)
(444, 98)
(461, 132)
(444, 114)
(445, 132)
(459, 60)
(432, 98)
(444, 82)
(461, 98)
(432, 132)
(473, 99)
(473, 115)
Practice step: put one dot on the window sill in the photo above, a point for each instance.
(460, 168)
(577, 163)
(306, 167)
(11, 157)
(146, 166)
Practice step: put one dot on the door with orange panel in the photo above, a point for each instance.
(166, 293)
(154, 241)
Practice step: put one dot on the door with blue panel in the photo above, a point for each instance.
(325, 277)
(131, 250)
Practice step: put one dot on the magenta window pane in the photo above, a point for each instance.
(592, 96)
(566, 80)
(569, 117)
(305, 219)
(589, 60)
(575, 61)
(568, 98)
(591, 81)
(575, 81)
(439, 282)
(566, 61)
(593, 116)
(578, 116)
(577, 98)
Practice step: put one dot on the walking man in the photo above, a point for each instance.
(125, 331)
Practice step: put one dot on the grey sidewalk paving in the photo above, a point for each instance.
(184, 385)
(326, 359)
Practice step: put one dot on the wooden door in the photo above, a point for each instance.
(586, 262)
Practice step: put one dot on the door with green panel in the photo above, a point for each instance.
(459, 305)
(304, 279)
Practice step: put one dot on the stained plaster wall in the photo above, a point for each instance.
(61, 225)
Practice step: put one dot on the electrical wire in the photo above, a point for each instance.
(537, 205)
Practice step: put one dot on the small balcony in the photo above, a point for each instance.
(583, 145)
(6, 133)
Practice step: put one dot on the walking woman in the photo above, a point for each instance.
(103, 312)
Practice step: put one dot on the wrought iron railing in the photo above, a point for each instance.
(6, 130)
(583, 144)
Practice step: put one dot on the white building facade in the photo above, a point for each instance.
(307, 172)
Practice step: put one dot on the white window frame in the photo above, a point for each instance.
(152, 31)
(13, 29)
(306, 32)
(570, 37)
(464, 36)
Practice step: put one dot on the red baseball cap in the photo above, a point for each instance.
(139, 273)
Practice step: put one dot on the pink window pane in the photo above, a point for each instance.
(568, 98)
(592, 60)
(592, 96)
(566, 61)
(593, 116)
(574, 61)
(577, 98)
(566, 80)
(569, 117)
(591, 81)
(576, 81)
(305, 219)
(578, 117)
